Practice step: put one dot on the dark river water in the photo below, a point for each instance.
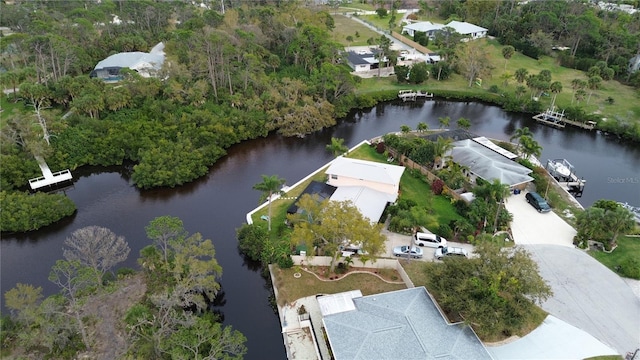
(216, 205)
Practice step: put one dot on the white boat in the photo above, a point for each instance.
(635, 210)
(559, 168)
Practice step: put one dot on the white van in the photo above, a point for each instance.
(430, 240)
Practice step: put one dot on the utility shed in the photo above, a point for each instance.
(403, 324)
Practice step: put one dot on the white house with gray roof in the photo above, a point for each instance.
(485, 160)
(403, 324)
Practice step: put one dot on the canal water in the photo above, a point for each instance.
(216, 204)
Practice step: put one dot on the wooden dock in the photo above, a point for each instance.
(557, 119)
(412, 95)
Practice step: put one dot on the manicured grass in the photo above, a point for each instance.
(345, 27)
(628, 249)
(291, 288)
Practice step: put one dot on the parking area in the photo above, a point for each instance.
(394, 239)
(531, 227)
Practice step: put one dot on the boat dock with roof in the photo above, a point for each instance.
(556, 119)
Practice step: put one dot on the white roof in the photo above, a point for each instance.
(488, 143)
(424, 26)
(371, 203)
(135, 60)
(366, 170)
(465, 28)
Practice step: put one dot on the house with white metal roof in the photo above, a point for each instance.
(468, 30)
(146, 64)
(354, 172)
(403, 324)
(370, 202)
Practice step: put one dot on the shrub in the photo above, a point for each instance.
(494, 89)
(437, 186)
(285, 262)
(380, 148)
(445, 231)
(630, 267)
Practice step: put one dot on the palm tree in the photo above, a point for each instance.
(518, 134)
(492, 193)
(337, 146)
(507, 53)
(556, 88)
(520, 90)
(594, 84)
(464, 123)
(405, 129)
(577, 84)
(444, 121)
(269, 186)
(530, 147)
(618, 220)
(521, 75)
(422, 127)
(440, 147)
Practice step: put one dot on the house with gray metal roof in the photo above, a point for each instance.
(468, 30)
(485, 160)
(403, 324)
(146, 64)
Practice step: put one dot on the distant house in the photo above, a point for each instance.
(483, 159)
(634, 64)
(146, 64)
(403, 324)
(468, 30)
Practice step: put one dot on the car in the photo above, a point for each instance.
(430, 240)
(538, 202)
(416, 252)
(450, 251)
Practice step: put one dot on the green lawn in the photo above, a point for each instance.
(628, 250)
(347, 27)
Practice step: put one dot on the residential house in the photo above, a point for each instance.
(146, 64)
(364, 60)
(382, 177)
(483, 159)
(403, 324)
(468, 30)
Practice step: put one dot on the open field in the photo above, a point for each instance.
(347, 27)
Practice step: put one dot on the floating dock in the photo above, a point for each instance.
(49, 179)
(557, 119)
(412, 95)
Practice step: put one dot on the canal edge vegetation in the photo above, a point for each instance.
(161, 311)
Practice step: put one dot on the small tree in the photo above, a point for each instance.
(507, 53)
(337, 147)
(464, 123)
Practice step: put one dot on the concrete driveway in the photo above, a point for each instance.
(589, 296)
(531, 227)
(394, 239)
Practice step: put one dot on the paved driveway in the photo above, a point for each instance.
(589, 296)
(531, 227)
(394, 239)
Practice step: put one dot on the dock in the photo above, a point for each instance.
(412, 95)
(48, 178)
(558, 120)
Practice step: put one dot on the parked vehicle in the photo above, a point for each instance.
(415, 252)
(538, 202)
(430, 240)
(450, 251)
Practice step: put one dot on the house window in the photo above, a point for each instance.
(334, 177)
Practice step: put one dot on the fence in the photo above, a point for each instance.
(411, 43)
(410, 164)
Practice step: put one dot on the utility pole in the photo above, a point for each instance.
(222, 3)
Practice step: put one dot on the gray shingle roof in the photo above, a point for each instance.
(404, 324)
